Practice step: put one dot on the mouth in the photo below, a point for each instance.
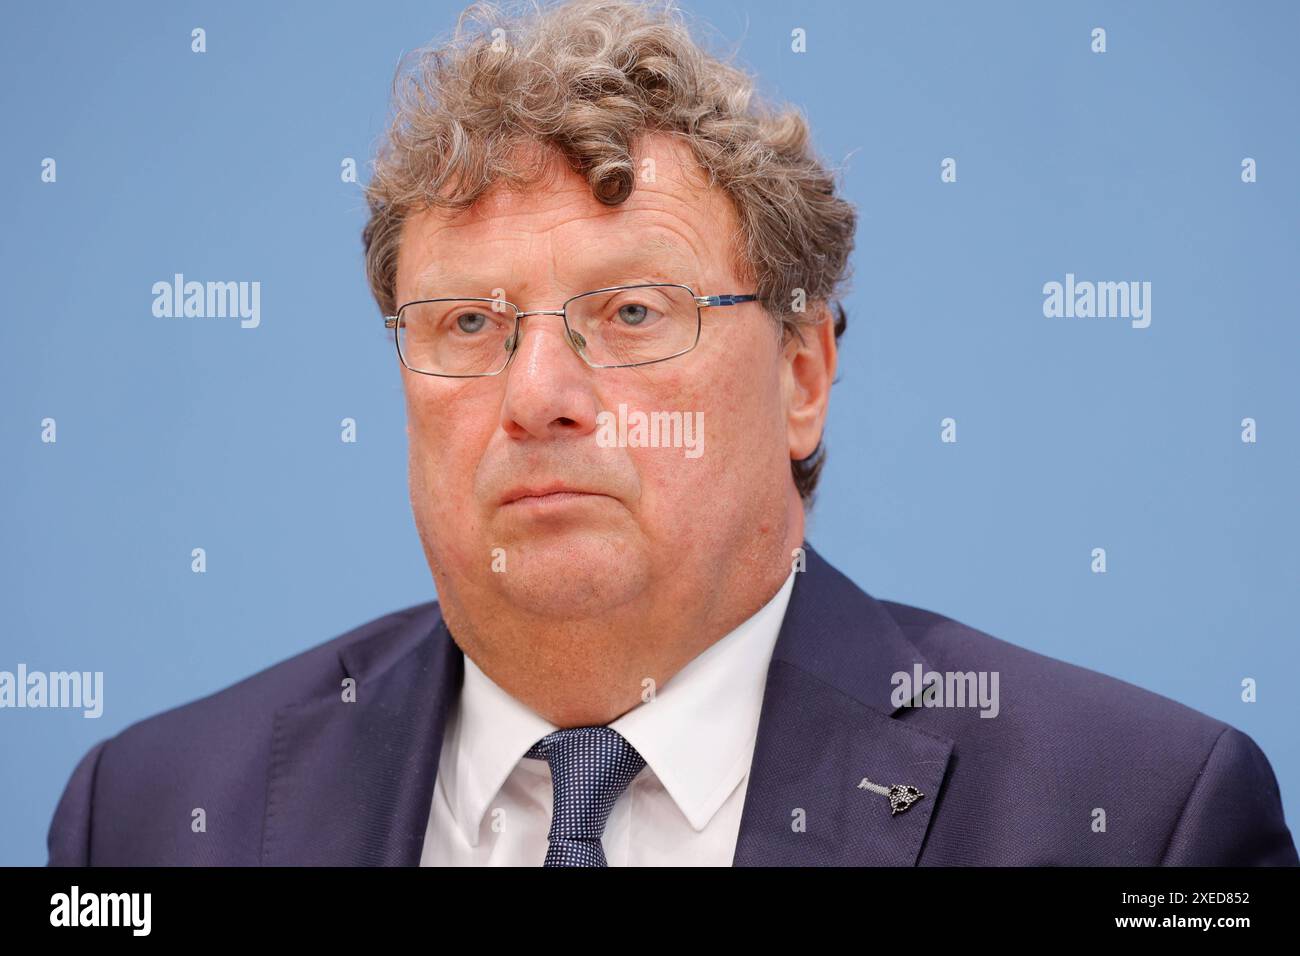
(547, 495)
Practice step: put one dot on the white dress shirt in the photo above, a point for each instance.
(492, 807)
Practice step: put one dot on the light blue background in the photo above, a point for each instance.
(1073, 434)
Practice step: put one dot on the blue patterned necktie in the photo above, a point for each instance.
(590, 768)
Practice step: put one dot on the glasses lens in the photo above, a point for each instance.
(635, 324)
(456, 336)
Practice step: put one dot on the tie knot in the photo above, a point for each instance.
(590, 769)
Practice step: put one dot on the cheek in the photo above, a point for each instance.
(447, 434)
(743, 437)
(744, 426)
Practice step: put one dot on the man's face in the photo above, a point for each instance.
(631, 522)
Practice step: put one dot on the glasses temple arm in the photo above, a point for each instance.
(708, 300)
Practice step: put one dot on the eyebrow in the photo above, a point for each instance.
(659, 259)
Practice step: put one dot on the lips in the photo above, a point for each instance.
(551, 491)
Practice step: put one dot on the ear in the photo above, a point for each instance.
(808, 373)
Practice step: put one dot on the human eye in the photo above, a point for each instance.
(471, 322)
(632, 311)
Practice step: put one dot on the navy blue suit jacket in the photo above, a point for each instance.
(287, 773)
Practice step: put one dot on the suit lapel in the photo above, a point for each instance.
(827, 722)
(351, 784)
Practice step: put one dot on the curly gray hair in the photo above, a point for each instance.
(587, 77)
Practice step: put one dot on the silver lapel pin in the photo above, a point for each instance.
(900, 795)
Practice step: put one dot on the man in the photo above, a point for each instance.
(595, 253)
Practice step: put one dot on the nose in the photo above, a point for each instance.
(548, 391)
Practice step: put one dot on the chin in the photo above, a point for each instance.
(573, 575)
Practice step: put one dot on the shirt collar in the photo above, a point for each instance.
(696, 734)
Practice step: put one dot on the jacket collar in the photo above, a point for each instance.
(828, 722)
(351, 783)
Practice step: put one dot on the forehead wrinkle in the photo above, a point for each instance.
(655, 259)
(660, 258)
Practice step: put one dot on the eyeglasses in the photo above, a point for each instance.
(616, 327)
